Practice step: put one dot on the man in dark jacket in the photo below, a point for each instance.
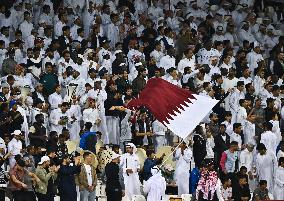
(37, 133)
(66, 178)
(199, 146)
(114, 190)
(139, 82)
(222, 142)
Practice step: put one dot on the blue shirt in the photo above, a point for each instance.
(84, 137)
(193, 180)
(148, 164)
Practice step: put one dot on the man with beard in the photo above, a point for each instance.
(66, 174)
(139, 82)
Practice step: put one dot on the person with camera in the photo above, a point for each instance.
(44, 172)
(66, 177)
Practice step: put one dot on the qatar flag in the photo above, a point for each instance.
(178, 109)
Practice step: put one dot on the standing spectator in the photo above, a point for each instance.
(265, 165)
(66, 177)
(113, 187)
(279, 180)
(131, 168)
(44, 177)
(199, 145)
(21, 182)
(228, 159)
(183, 155)
(222, 143)
(15, 147)
(87, 179)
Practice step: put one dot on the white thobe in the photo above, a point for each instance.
(113, 34)
(236, 137)
(245, 35)
(155, 12)
(55, 116)
(14, 147)
(58, 28)
(253, 58)
(265, 166)
(186, 63)
(258, 83)
(157, 55)
(234, 103)
(131, 181)
(101, 97)
(276, 130)
(241, 115)
(182, 170)
(26, 29)
(155, 187)
(25, 125)
(73, 31)
(47, 19)
(167, 62)
(204, 55)
(246, 159)
(54, 100)
(74, 125)
(87, 20)
(249, 132)
(63, 64)
(170, 79)
(159, 131)
(229, 127)
(91, 115)
(279, 184)
(269, 139)
(5, 39)
(105, 22)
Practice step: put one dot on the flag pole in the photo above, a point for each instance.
(171, 153)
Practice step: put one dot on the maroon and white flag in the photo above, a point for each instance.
(178, 109)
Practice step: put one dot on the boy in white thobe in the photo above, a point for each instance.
(131, 167)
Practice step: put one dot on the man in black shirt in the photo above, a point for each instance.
(113, 186)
